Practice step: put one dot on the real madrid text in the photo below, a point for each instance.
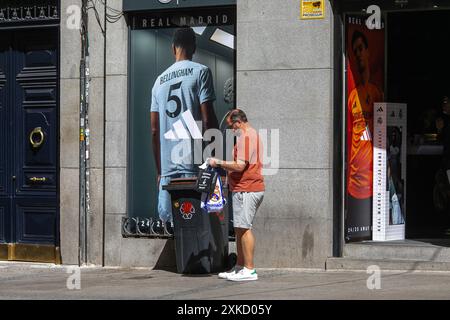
(226, 309)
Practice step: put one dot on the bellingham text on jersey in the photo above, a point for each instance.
(176, 74)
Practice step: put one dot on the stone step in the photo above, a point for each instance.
(414, 250)
(351, 264)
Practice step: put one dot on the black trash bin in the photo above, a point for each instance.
(201, 238)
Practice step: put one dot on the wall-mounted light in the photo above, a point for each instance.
(223, 37)
(199, 30)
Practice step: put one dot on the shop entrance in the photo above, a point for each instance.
(418, 69)
(402, 62)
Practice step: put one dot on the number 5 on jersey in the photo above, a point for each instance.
(175, 98)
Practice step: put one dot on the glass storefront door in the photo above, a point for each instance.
(402, 62)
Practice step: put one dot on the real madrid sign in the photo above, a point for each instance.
(145, 5)
(170, 19)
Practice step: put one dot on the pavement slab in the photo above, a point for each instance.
(45, 281)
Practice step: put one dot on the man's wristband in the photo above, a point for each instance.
(219, 163)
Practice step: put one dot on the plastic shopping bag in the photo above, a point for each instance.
(206, 180)
(214, 201)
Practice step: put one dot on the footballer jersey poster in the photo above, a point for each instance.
(174, 90)
(365, 84)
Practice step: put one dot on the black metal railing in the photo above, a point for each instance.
(146, 227)
(137, 227)
(23, 11)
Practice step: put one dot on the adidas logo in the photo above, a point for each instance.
(380, 109)
(179, 131)
(366, 135)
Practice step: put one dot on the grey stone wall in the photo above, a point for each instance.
(96, 123)
(127, 252)
(284, 81)
(69, 137)
(69, 156)
(110, 248)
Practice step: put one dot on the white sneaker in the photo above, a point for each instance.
(225, 275)
(244, 275)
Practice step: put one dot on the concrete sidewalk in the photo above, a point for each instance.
(46, 281)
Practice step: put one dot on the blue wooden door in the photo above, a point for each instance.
(5, 141)
(29, 223)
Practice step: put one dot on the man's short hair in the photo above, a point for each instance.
(237, 114)
(185, 38)
(358, 34)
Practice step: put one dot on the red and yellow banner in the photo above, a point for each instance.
(365, 86)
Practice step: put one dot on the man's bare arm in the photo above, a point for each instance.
(233, 166)
(154, 121)
(209, 117)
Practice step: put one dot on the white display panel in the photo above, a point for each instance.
(389, 171)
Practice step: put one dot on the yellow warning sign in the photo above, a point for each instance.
(312, 9)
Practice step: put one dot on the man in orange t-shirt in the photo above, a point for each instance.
(247, 186)
(360, 129)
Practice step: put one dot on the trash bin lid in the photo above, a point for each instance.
(181, 184)
(186, 184)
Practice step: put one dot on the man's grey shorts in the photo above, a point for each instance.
(245, 205)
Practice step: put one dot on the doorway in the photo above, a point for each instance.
(29, 128)
(418, 70)
(408, 62)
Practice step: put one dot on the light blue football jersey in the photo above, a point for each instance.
(182, 87)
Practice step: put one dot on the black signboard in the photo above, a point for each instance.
(145, 5)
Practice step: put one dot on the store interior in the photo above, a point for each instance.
(418, 74)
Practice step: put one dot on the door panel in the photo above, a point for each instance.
(29, 127)
(35, 221)
(35, 165)
(5, 233)
(37, 173)
(5, 181)
(3, 122)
